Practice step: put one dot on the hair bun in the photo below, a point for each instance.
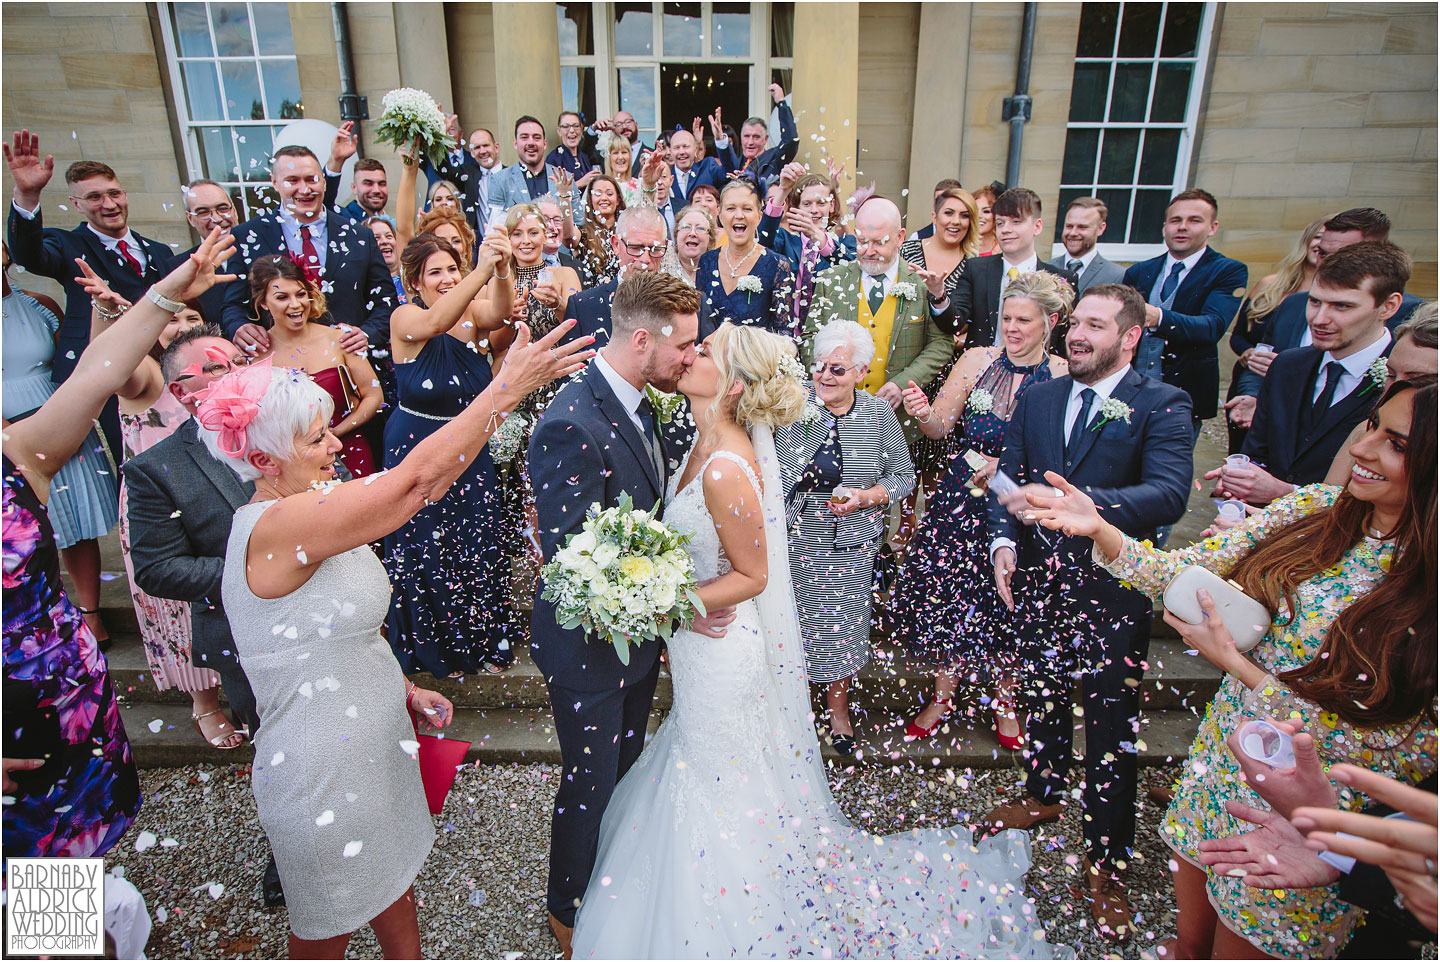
(765, 365)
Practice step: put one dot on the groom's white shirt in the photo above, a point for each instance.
(629, 395)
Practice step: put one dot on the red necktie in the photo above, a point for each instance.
(130, 258)
(308, 256)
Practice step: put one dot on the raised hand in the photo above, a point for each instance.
(934, 282)
(716, 127)
(27, 170)
(562, 181)
(196, 274)
(777, 93)
(789, 174)
(650, 172)
(835, 168)
(697, 129)
(452, 127)
(495, 248)
(528, 366)
(342, 148)
(99, 291)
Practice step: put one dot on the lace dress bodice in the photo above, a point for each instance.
(685, 511)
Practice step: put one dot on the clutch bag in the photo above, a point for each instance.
(1246, 619)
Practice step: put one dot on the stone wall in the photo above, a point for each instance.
(471, 33)
(889, 34)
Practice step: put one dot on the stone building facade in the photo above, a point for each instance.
(1285, 111)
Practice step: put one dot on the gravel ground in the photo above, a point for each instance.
(482, 892)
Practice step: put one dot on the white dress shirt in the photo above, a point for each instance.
(1029, 266)
(290, 228)
(1085, 260)
(1170, 262)
(1356, 366)
(630, 397)
(867, 281)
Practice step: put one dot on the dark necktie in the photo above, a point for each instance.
(309, 258)
(1171, 281)
(1074, 267)
(1321, 407)
(1087, 397)
(876, 297)
(130, 258)
(646, 414)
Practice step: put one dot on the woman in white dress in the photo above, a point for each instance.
(724, 839)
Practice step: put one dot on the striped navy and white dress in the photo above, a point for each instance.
(832, 559)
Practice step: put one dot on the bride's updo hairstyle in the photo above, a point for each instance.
(771, 378)
(250, 412)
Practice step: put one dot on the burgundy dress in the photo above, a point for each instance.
(356, 454)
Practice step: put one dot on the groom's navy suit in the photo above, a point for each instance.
(1075, 619)
(585, 451)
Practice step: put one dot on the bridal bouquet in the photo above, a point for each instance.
(411, 115)
(624, 576)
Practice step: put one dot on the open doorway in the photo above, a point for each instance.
(688, 91)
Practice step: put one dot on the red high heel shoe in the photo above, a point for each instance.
(1004, 708)
(913, 731)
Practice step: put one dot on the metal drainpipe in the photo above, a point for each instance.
(352, 105)
(1017, 108)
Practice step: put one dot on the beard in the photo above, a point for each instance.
(1098, 363)
(659, 376)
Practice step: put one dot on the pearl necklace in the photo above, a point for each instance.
(735, 271)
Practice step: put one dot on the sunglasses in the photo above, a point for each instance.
(836, 370)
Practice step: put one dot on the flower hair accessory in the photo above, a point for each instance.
(229, 404)
(791, 367)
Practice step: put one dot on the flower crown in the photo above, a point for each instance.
(231, 402)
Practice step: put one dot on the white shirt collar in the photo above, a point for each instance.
(1189, 262)
(113, 243)
(630, 396)
(1084, 259)
(1358, 363)
(316, 226)
(890, 276)
(1025, 267)
(1102, 390)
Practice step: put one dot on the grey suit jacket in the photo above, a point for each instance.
(181, 502)
(1100, 271)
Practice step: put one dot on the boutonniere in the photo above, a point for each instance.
(665, 405)
(1112, 409)
(813, 414)
(980, 401)
(1375, 375)
(903, 290)
(750, 284)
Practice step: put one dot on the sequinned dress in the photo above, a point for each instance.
(1306, 923)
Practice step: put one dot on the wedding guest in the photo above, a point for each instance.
(1018, 224)
(1192, 292)
(1084, 223)
(69, 777)
(572, 156)
(207, 206)
(805, 230)
(471, 164)
(595, 238)
(986, 243)
(953, 620)
(754, 159)
(639, 245)
(83, 505)
(617, 167)
(149, 414)
(742, 282)
(336, 781)
(370, 188)
(292, 305)
(385, 238)
(440, 623)
(531, 178)
(1127, 439)
(928, 230)
(556, 254)
(690, 171)
(1295, 272)
(440, 194)
(1313, 396)
(707, 198)
(694, 235)
(1350, 576)
(840, 470)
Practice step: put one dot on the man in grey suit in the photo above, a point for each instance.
(531, 178)
(1084, 223)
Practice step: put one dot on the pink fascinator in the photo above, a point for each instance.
(229, 405)
(859, 197)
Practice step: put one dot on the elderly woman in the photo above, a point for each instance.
(841, 468)
(337, 782)
(694, 235)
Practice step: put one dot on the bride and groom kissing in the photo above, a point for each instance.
(721, 837)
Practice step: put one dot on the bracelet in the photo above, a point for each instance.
(107, 315)
(501, 277)
(648, 190)
(410, 689)
(163, 302)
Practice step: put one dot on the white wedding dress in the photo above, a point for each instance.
(724, 840)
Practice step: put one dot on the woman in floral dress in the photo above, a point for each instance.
(1350, 657)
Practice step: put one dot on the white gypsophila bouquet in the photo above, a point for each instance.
(411, 115)
(624, 576)
(505, 443)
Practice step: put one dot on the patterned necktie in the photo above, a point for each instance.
(876, 297)
(1172, 281)
(130, 258)
(646, 414)
(1012, 273)
(309, 258)
(1073, 266)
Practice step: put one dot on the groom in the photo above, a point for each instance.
(1125, 440)
(597, 440)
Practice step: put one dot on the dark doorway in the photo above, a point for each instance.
(688, 91)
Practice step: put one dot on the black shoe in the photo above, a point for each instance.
(844, 744)
(274, 894)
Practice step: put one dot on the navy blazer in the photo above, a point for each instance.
(1275, 442)
(1138, 473)
(977, 297)
(591, 311)
(791, 246)
(1205, 303)
(357, 285)
(1286, 324)
(585, 451)
(51, 252)
(766, 166)
(708, 171)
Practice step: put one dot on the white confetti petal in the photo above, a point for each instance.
(352, 849)
(216, 890)
(156, 725)
(145, 840)
(277, 759)
(411, 747)
(326, 817)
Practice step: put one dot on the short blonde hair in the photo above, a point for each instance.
(696, 209)
(754, 357)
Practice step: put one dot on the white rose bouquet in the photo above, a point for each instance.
(410, 116)
(624, 576)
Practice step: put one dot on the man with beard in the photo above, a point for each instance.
(1124, 439)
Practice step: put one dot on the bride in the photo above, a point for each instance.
(723, 839)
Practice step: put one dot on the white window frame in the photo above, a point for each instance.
(190, 128)
(606, 63)
(1127, 252)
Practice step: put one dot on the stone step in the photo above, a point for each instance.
(162, 736)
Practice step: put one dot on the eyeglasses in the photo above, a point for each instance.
(692, 229)
(219, 368)
(641, 250)
(221, 209)
(569, 126)
(836, 370)
(100, 196)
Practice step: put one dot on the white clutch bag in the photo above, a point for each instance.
(1246, 619)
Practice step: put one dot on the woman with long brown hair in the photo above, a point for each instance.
(1350, 577)
(594, 239)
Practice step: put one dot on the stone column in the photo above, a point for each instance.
(827, 85)
(527, 69)
(939, 122)
(420, 48)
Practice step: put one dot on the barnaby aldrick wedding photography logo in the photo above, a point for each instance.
(55, 906)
